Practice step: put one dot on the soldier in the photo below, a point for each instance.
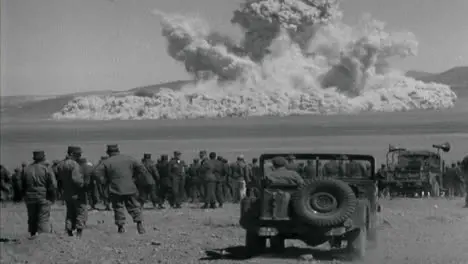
(38, 186)
(356, 169)
(5, 184)
(310, 170)
(177, 175)
(332, 168)
(92, 194)
(103, 189)
(460, 190)
(255, 178)
(153, 171)
(225, 187)
(194, 181)
(464, 166)
(165, 184)
(239, 175)
(119, 171)
(450, 179)
(282, 175)
(212, 169)
(74, 191)
(291, 164)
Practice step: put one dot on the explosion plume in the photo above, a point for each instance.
(296, 57)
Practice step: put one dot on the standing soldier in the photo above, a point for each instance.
(310, 170)
(255, 178)
(74, 191)
(177, 174)
(194, 181)
(39, 186)
(464, 166)
(153, 171)
(450, 179)
(165, 184)
(92, 194)
(103, 189)
(227, 195)
(5, 184)
(211, 169)
(119, 171)
(239, 175)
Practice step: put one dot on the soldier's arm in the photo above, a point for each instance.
(100, 173)
(141, 171)
(52, 178)
(155, 172)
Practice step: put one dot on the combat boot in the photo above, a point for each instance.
(70, 232)
(121, 229)
(79, 233)
(140, 228)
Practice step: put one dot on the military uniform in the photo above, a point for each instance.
(119, 171)
(310, 170)
(282, 175)
(38, 185)
(239, 177)
(74, 191)
(451, 179)
(5, 184)
(194, 181)
(211, 170)
(153, 171)
(464, 166)
(103, 189)
(165, 183)
(177, 176)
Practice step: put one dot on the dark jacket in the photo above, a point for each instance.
(207, 169)
(163, 170)
(285, 176)
(38, 183)
(176, 168)
(151, 168)
(239, 171)
(119, 172)
(71, 175)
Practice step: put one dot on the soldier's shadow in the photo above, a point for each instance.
(240, 253)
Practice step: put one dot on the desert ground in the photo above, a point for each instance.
(411, 230)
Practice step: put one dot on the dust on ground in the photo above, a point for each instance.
(412, 231)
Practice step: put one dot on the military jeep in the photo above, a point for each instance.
(337, 205)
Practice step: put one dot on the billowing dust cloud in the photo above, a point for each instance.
(296, 57)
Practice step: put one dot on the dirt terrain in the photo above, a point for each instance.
(412, 231)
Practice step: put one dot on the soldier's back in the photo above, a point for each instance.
(36, 181)
(285, 176)
(119, 170)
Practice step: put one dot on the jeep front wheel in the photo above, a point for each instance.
(325, 202)
(254, 243)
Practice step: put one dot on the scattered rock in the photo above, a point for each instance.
(155, 243)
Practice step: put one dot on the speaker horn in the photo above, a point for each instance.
(445, 147)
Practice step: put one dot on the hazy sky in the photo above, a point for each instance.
(62, 46)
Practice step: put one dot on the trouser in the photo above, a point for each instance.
(213, 192)
(77, 213)
(165, 193)
(195, 191)
(130, 202)
(104, 194)
(238, 190)
(148, 193)
(178, 190)
(92, 193)
(38, 216)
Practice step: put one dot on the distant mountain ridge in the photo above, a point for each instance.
(457, 76)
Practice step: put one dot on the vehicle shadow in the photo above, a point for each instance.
(240, 253)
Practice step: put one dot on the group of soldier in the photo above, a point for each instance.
(126, 183)
(123, 182)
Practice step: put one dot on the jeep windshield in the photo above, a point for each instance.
(324, 165)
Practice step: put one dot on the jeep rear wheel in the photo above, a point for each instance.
(325, 202)
(254, 244)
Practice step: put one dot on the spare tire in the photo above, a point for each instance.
(324, 202)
